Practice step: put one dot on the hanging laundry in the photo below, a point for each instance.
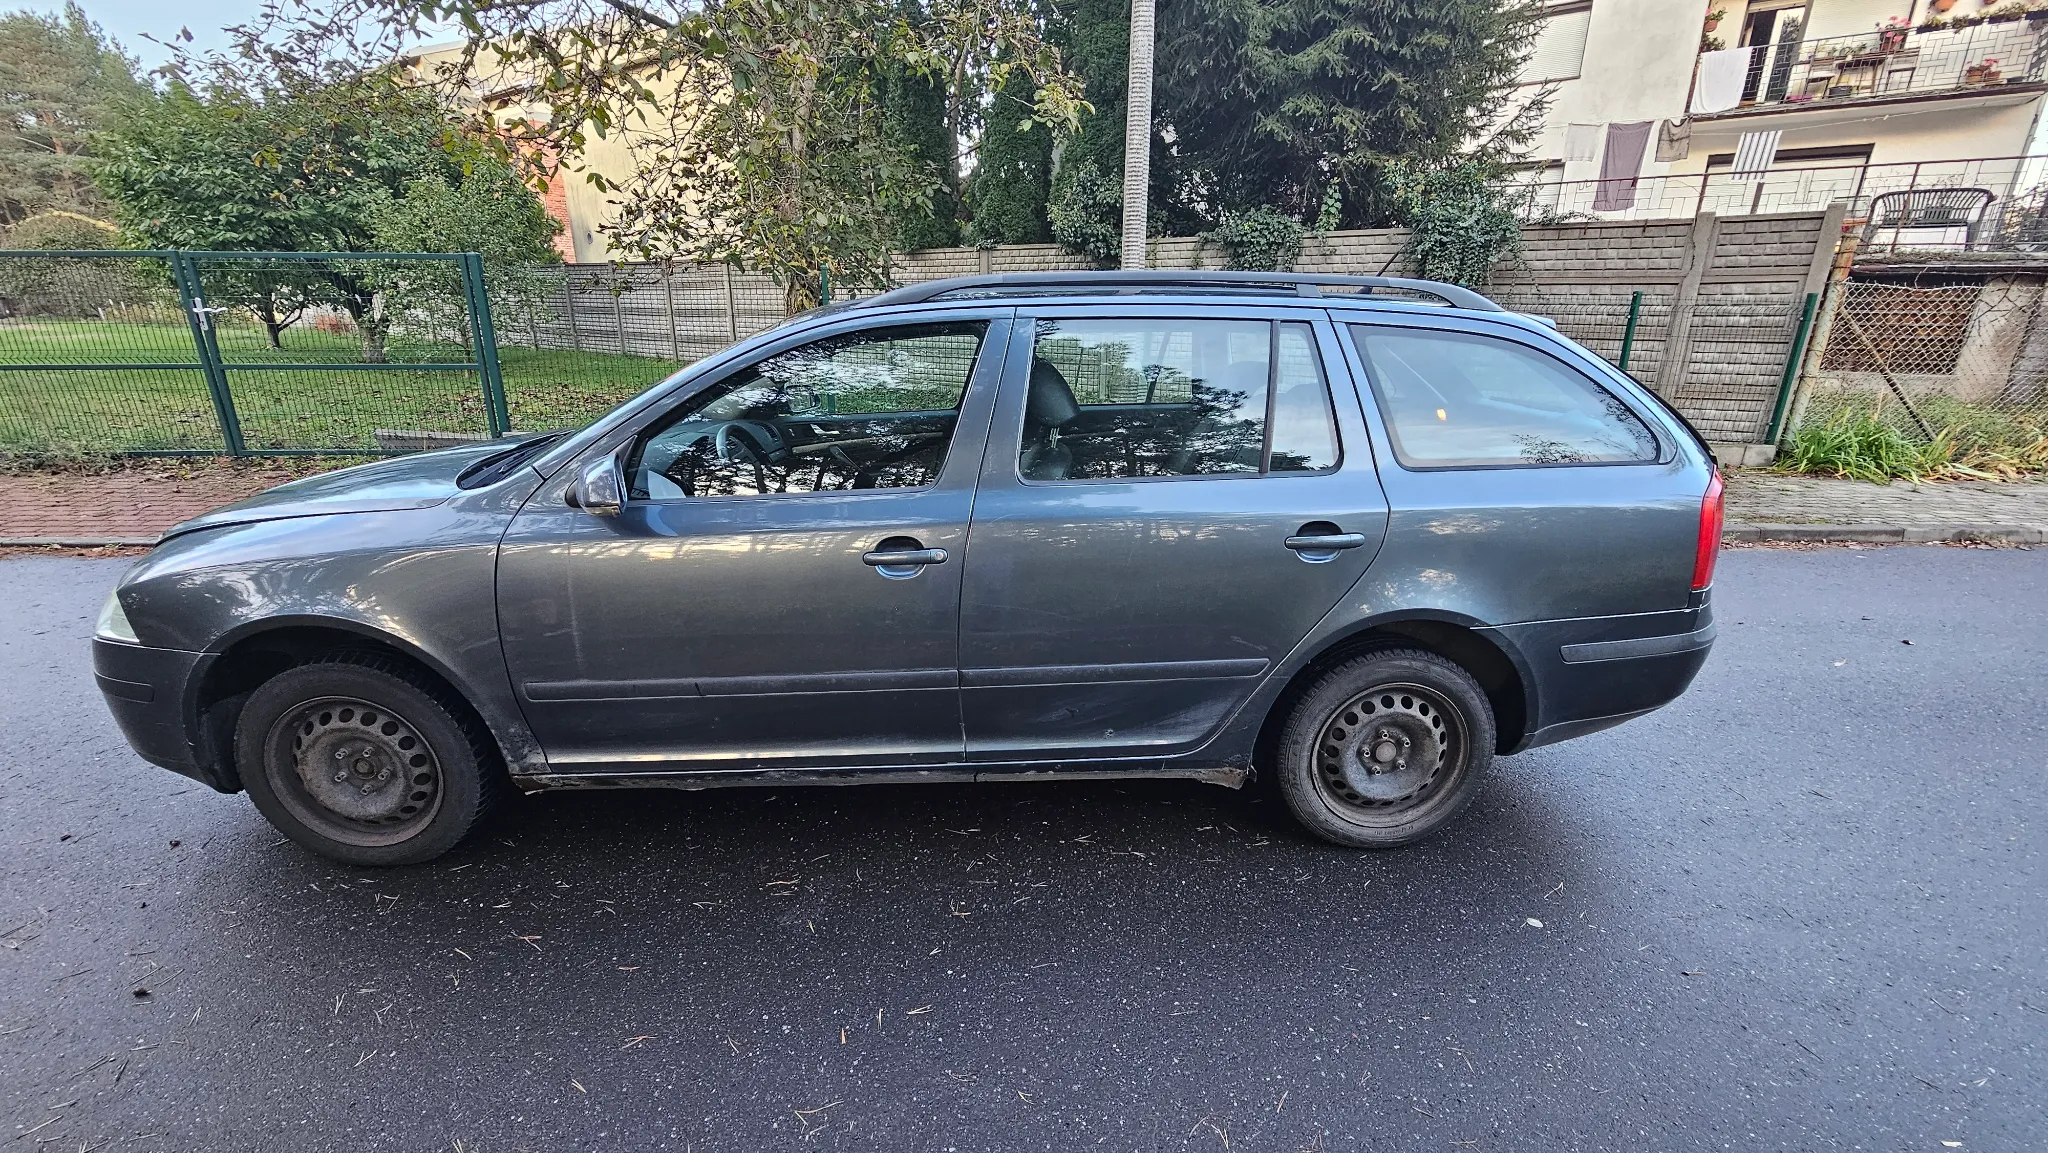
(1620, 164)
(1718, 85)
(1674, 140)
(1754, 154)
(1581, 143)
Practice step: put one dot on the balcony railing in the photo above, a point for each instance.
(1881, 63)
(1997, 203)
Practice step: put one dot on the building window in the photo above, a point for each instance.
(1560, 49)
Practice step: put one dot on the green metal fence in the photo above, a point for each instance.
(243, 353)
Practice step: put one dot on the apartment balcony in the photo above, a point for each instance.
(1986, 205)
(1879, 67)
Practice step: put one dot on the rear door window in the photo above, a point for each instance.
(1152, 398)
(1459, 400)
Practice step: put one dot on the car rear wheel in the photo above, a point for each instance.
(363, 759)
(1385, 749)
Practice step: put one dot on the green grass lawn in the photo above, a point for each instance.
(134, 409)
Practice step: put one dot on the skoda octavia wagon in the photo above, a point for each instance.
(1357, 535)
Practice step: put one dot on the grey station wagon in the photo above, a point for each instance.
(1359, 534)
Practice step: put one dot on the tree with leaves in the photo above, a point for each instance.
(491, 211)
(293, 161)
(760, 126)
(914, 117)
(59, 76)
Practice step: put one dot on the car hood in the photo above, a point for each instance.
(420, 480)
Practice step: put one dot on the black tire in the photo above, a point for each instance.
(1385, 749)
(414, 772)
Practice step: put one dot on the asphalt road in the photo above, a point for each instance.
(1804, 908)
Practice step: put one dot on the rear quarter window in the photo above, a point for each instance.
(1460, 400)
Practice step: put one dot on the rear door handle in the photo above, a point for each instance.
(1327, 543)
(903, 557)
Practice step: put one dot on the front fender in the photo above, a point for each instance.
(422, 580)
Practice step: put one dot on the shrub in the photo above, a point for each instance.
(1460, 219)
(1260, 240)
(58, 286)
(1087, 213)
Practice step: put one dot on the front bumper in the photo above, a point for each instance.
(150, 693)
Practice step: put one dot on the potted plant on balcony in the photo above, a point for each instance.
(1984, 72)
(1714, 18)
(2004, 11)
(1891, 35)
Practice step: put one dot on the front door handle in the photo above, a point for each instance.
(1329, 542)
(903, 557)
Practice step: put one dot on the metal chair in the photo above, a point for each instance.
(1928, 208)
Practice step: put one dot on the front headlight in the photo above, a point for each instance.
(113, 624)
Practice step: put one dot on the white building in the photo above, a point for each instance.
(1787, 105)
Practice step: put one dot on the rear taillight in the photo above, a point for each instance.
(1710, 536)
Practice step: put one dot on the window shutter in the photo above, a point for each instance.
(1560, 48)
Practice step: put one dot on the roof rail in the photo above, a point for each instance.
(1300, 284)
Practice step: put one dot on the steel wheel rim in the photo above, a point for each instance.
(1390, 752)
(354, 770)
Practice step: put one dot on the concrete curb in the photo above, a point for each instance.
(77, 541)
(1884, 533)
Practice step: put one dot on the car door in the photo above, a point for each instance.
(1170, 499)
(780, 587)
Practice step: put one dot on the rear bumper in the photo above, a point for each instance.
(1596, 673)
(149, 692)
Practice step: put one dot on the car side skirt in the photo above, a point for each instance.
(1230, 776)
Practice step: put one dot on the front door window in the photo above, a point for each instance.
(863, 410)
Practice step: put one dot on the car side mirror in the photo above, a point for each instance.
(599, 489)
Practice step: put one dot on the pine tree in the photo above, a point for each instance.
(59, 77)
(1014, 176)
(1095, 37)
(1276, 102)
(914, 115)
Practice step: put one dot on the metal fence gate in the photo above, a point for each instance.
(244, 353)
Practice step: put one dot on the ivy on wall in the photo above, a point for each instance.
(1260, 239)
(1459, 220)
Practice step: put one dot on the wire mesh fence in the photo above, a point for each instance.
(324, 353)
(1957, 373)
(97, 352)
(203, 352)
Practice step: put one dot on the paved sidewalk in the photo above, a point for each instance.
(132, 506)
(1769, 505)
(135, 505)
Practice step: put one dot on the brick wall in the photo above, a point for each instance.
(1721, 298)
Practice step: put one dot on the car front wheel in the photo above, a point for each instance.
(362, 759)
(1385, 749)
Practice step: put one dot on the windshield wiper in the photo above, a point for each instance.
(498, 466)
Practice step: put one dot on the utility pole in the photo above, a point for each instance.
(1138, 134)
